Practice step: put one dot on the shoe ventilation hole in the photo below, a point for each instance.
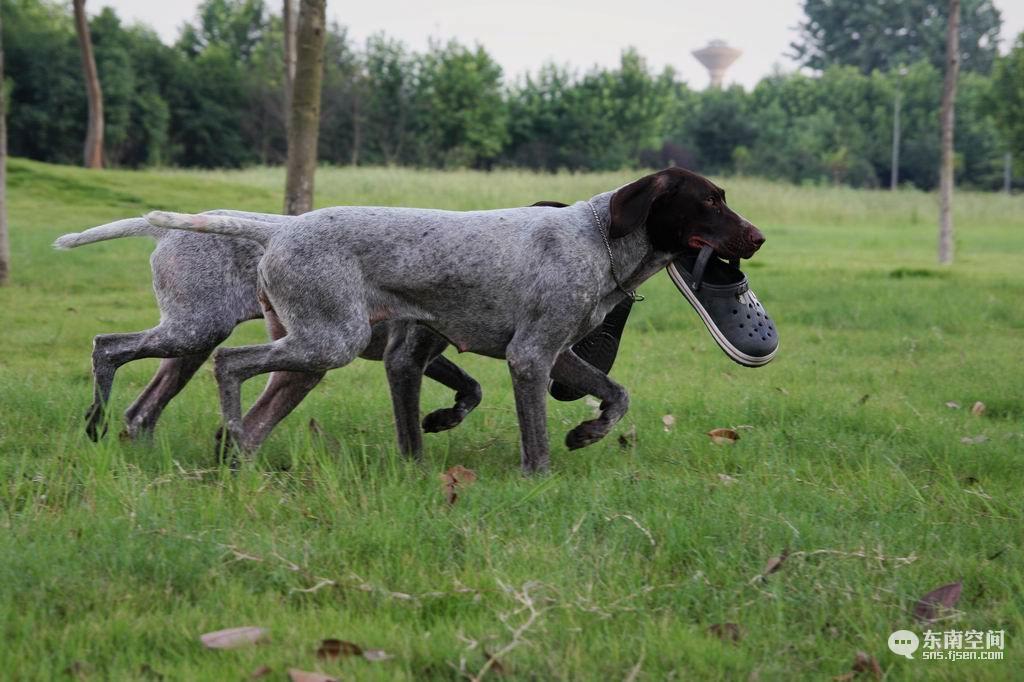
(741, 326)
(763, 339)
(748, 317)
(734, 311)
(750, 335)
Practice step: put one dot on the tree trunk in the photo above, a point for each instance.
(288, 14)
(305, 110)
(5, 244)
(947, 118)
(894, 173)
(94, 128)
(357, 127)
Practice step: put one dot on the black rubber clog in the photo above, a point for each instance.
(721, 295)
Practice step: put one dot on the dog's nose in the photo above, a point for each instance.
(756, 238)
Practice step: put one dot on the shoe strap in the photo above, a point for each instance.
(698, 267)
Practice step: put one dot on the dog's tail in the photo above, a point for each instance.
(132, 227)
(229, 226)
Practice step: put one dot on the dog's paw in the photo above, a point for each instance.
(442, 420)
(585, 434)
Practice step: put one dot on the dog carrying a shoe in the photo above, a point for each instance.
(542, 288)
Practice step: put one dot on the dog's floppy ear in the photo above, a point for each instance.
(631, 204)
(552, 204)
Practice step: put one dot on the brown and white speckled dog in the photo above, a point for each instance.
(522, 284)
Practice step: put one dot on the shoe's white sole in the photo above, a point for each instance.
(734, 353)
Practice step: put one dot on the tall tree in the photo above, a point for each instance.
(5, 244)
(1007, 98)
(288, 20)
(305, 110)
(94, 128)
(947, 117)
(885, 34)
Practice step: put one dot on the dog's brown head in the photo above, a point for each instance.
(681, 210)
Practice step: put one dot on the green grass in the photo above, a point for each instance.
(118, 556)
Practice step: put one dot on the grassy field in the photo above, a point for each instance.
(115, 557)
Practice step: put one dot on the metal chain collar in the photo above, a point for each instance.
(611, 259)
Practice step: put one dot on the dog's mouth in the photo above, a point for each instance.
(724, 251)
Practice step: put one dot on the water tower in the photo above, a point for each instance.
(716, 58)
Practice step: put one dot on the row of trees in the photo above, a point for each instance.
(218, 98)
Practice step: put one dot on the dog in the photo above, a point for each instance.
(205, 286)
(522, 284)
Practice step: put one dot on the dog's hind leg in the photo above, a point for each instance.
(467, 395)
(574, 372)
(110, 351)
(312, 347)
(284, 392)
(172, 375)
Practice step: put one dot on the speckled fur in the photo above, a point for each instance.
(205, 285)
(522, 284)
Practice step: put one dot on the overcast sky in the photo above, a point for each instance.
(523, 34)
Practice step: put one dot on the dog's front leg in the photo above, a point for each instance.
(576, 373)
(530, 369)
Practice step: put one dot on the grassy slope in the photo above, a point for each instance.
(119, 555)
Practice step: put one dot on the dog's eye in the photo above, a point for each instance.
(709, 201)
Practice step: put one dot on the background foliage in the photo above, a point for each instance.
(214, 99)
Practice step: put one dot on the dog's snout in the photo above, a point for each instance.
(756, 237)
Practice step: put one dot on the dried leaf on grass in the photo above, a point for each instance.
(953, 405)
(454, 479)
(775, 563)
(929, 607)
(668, 421)
(232, 638)
(864, 665)
(974, 440)
(723, 436)
(726, 479)
(978, 409)
(260, 672)
(296, 675)
(331, 649)
(727, 632)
